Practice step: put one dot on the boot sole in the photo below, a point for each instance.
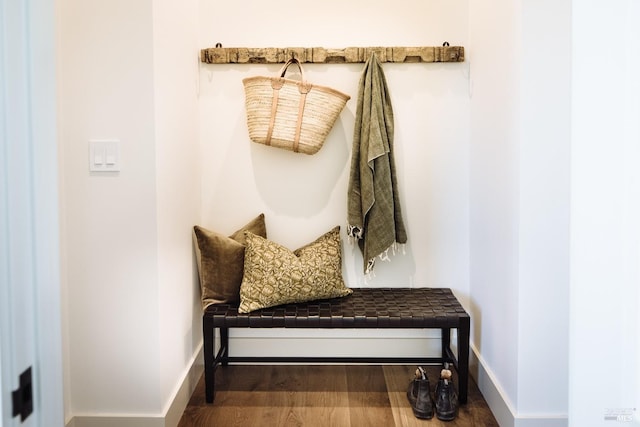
(446, 417)
(422, 415)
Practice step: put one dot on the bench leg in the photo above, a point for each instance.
(446, 342)
(224, 344)
(209, 335)
(463, 359)
(461, 363)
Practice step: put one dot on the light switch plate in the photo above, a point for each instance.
(104, 155)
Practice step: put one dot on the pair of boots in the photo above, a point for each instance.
(446, 397)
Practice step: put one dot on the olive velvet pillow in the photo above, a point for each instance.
(220, 261)
(274, 275)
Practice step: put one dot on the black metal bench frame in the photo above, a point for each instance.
(400, 308)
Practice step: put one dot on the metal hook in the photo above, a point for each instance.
(218, 44)
(445, 44)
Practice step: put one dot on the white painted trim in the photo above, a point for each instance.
(500, 404)
(30, 323)
(311, 346)
(319, 333)
(544, 420)
(184, 389)
(273, 342)
(170, 415)
(491, 389)
(110, 420)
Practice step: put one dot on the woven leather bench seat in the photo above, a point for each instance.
(402, 308)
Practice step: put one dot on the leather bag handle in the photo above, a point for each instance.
(303, 87)
(286, 65)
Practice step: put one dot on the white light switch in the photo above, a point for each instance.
(104, 155)
(98, 157)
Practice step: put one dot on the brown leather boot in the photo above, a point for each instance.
(419, 395)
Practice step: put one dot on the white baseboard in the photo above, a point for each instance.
(171, 414)
(542, 421)
(499, 403)
(320, 347)
(334, 343)
(116, 420)
(180, 398)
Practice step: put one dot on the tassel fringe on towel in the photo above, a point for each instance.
(355, 233)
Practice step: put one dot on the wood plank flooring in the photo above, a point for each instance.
(321, 396)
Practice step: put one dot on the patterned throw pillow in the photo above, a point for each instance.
(221, 261)
(274, 275)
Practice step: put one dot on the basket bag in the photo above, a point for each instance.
(291, 114)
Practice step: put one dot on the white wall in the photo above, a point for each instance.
(544, 206)
(494, 174)
(175, 49)
(128, 71)
(520, 156)
(605, 231)
(110, 221)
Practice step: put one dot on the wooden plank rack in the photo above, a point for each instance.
(321, 55)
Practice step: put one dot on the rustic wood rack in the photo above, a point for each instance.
(320, 55)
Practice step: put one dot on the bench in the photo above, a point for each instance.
(416, 308)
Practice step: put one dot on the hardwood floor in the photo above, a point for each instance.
(322, 396)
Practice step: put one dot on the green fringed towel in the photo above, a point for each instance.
(374, 214)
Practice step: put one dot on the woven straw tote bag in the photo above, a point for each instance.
(291, 114)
